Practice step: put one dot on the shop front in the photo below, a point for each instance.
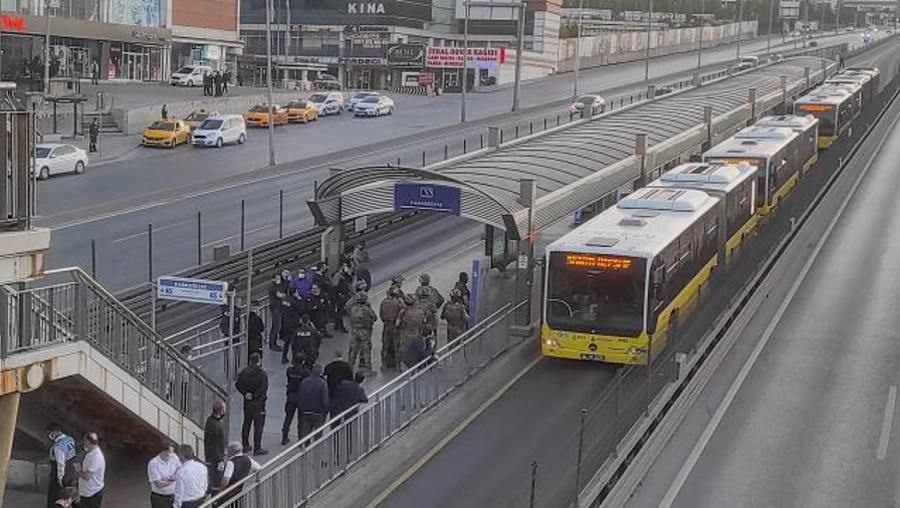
(446, 62)
(405, 62)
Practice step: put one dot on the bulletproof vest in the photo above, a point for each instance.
(361, 316)
(413, 318)
(241, 468)
(456, 315)
(390, 308)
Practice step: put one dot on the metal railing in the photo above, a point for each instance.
(77, 308)
(311, 464)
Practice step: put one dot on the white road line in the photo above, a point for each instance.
(144, 232)
(238, 235)
(717, 417)
(887, 423)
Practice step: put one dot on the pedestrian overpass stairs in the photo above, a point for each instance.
(74, 350)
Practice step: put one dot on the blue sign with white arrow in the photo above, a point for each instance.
(211, 292)
(426, 197)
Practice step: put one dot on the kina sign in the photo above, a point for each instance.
(452, 57)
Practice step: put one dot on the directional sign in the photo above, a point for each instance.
(192, 290)
(426, 197)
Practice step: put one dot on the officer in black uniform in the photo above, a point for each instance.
(253, 383)
(295, 374)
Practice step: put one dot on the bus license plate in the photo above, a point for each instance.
(591, 357)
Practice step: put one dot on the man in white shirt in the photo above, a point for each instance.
(191, 482)
(92, 474)
(161, 472)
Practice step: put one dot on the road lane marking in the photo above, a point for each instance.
(717, 417)
(143, 232)
(228, 238)
(450, 437)
(887, 423)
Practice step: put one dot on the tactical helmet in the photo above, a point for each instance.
(424, 279)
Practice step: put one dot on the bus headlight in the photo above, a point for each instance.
(551, 342)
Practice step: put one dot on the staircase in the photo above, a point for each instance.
(71, 326)
(107, 122)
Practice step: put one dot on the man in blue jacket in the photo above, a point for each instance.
(314, 402)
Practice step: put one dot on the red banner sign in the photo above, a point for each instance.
(452, 57)
(426, 78)
(12, 23)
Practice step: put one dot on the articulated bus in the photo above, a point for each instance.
(806, 126)
(833, 107)
(776, 151)
(616, 286)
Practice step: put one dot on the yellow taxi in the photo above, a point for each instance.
(197, 116)
(258, 116)
(301, 112)
(169, 132)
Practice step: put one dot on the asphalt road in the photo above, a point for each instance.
(488, 462)
(113, 204)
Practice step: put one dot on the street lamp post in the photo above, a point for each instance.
(520, 49)
(271, 122)
(647, 49)
(578, 47)
(740, 28)
(47, 47)
(700, 38)
(465, 69)
(769, 34)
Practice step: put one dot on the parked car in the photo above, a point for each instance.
(258, 116)
(198, 116)
(358, 97)
(328, 103)
(55, 158)
(219, 130)
(326, 82)
(598, 104)
(168, 133)
(374, 106)
(190, 75)
(748, 62)
(301, 111)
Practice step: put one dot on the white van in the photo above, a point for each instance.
(748, 62)
(190, 75)
(218, 130)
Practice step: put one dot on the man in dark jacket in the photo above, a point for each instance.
(342, 281)
(336, 371)
(306, 341)
(255, 330)
(278, 291)
(296, 373)
(315, 306)
(388, 312)
(348, 394)
(214, 440)
(253, 383)
(314, 401)
(94, 134)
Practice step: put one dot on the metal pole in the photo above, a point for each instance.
(47, 47)
(647, 49)
(740, 25)
(287, 27)
(269, 82)
(93, 258)
(230, 339)
(700, 38)
(150, 252)
(248, 299)
(242, 223)
(578, 48)
(199, 239)
(152, 306)
(465, 69)
(769, 35)
(520, 49)
(534, 467)
(580, 451)
(281, 213)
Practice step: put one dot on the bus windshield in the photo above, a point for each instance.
(596, 293)
(825, 114)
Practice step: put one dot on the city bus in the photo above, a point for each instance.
(776, 151)
(833, 108)
(617, 286)
(806, 126)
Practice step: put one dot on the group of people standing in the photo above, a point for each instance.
(215, 84)
(73, 483)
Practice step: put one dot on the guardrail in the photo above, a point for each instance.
(296, 474)
(80, 309)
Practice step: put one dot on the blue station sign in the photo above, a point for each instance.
(192, 290)
(426, 197)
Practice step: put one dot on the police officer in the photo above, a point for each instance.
(362, 317)
(307, 341)
(253, 383)
(410, 325)
(295, 374)
(456, 316)
(315, 306)
(388, 312)
(342, 282)
(62, 462)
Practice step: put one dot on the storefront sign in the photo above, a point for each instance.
(212, 52)
(409, 79)
(142, 35)
(368, 40)
(305, 59)
(362, 61)
(426, 197)
(426, 78)
(366, 14)
(365, 8)
(406, 55)
(452, 57)
(13, 23)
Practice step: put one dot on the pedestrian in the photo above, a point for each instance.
(62, 462)
(277, 304)
(296, 373)
(225, 324)
(418, 349)
(67, 498)
(207, 83)
(314, 401)
(161, 471)
(410, 326)
(92, 476)
(191, 481)
(456, 316)
(226, 78)
(302, 283)
(462, 285)
(336, 371)
(363, 264)
(253, 383)
(388, 312)
(290, 321)
(315, 306)
(95, 73)
(425, 288)
(165, 112)
(255, 330)
(217, 83)
(348, 394)
(362, 318)
(238, 467)
(342, 280)
(94, 133)
(214, 439)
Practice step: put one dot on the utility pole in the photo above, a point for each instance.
(700, 37)
(47, 47)
(271, 122)
(465, 69)
(578, 48)
(647, 49)
(287, 28)
(520, 49)
(740, 28)
(769, 35)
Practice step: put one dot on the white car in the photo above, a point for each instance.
(747, 62)
(328, 103)
(358, 97)
(599, 104)
(190, 75)
(374, 106)
(53, 159)
(219, 130)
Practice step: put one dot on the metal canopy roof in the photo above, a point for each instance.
(563, 156)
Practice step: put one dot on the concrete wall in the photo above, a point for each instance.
(133, 121)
